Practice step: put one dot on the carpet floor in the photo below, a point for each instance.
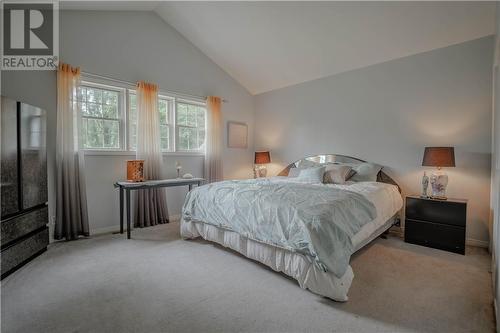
(157, 282)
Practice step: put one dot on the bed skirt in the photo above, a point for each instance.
(296, 265)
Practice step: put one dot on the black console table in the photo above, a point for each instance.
(126, 187)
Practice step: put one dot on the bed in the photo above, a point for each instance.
(306, 230)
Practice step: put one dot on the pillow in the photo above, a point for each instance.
(337, 174)
(314, 175)
(351, 173)
(304, 164)
(366, 172)
(293, 172)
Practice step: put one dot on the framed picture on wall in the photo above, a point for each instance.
(237, 135)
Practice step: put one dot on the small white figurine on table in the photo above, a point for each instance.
(178, 166)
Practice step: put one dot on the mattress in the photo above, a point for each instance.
(301, 267)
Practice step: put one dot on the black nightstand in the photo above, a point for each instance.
(436, 223)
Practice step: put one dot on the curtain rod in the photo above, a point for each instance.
(131, 84)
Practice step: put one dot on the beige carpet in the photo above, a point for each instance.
(159, 283)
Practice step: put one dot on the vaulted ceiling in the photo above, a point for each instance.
(270, 45)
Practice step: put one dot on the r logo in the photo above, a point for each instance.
(28, 29)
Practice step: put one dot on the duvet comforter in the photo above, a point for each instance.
(311, 219)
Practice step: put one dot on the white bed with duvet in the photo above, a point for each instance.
(305, 223)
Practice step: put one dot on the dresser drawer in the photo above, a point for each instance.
(439, 236)
(12, 229)
(444, 212)
(18, 254)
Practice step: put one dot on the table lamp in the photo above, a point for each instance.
(439, 157)
(261, 158)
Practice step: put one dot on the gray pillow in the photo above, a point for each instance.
(314, 175)
(337, 174)
(294, 172)
(366, 172)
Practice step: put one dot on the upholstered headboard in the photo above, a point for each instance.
(336, 158)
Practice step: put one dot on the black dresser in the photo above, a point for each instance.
(24, 213)
(438, 224)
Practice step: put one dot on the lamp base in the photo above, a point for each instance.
(259, 171)
(439, 198)
(439, 182)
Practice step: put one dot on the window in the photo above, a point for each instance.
(109, 120)
(165, 117)
(101, 117)
(165, 107)
(190, 126)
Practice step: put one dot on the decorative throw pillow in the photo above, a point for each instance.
(366, 172)
(336, 174)
(313, 175)
(294, 172)
(351, 173)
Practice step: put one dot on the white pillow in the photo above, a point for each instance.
(313, 175)
(366, 172)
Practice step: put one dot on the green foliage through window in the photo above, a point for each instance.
(105, 113)
(100, 117)
(190, 125)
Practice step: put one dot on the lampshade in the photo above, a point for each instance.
(439, 157)
(135, 171)
(262, 157)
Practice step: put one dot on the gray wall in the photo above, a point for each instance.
(387, 113)
(134, 46)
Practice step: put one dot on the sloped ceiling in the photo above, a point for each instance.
(270, 45)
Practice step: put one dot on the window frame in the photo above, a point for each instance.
(124, 111)
(170, 123)
(189, 102)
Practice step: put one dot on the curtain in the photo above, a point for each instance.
(213, 154)
(151, 204)
(71, 205)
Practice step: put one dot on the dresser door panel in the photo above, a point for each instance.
(33, 156)
(9, 165)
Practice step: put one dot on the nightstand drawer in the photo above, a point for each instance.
(437, 211)
(439, 236)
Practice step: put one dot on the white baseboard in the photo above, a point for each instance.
(175, 218)
(477, 242)
(105, 230)
(116, 228)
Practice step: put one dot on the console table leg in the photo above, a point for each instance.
(121, 210)
(128, 213)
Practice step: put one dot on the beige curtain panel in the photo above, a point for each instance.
(71, 206)
(151, 204)
(213, 154)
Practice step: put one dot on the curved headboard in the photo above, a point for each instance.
(336, 158)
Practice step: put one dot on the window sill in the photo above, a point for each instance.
(132, 153)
